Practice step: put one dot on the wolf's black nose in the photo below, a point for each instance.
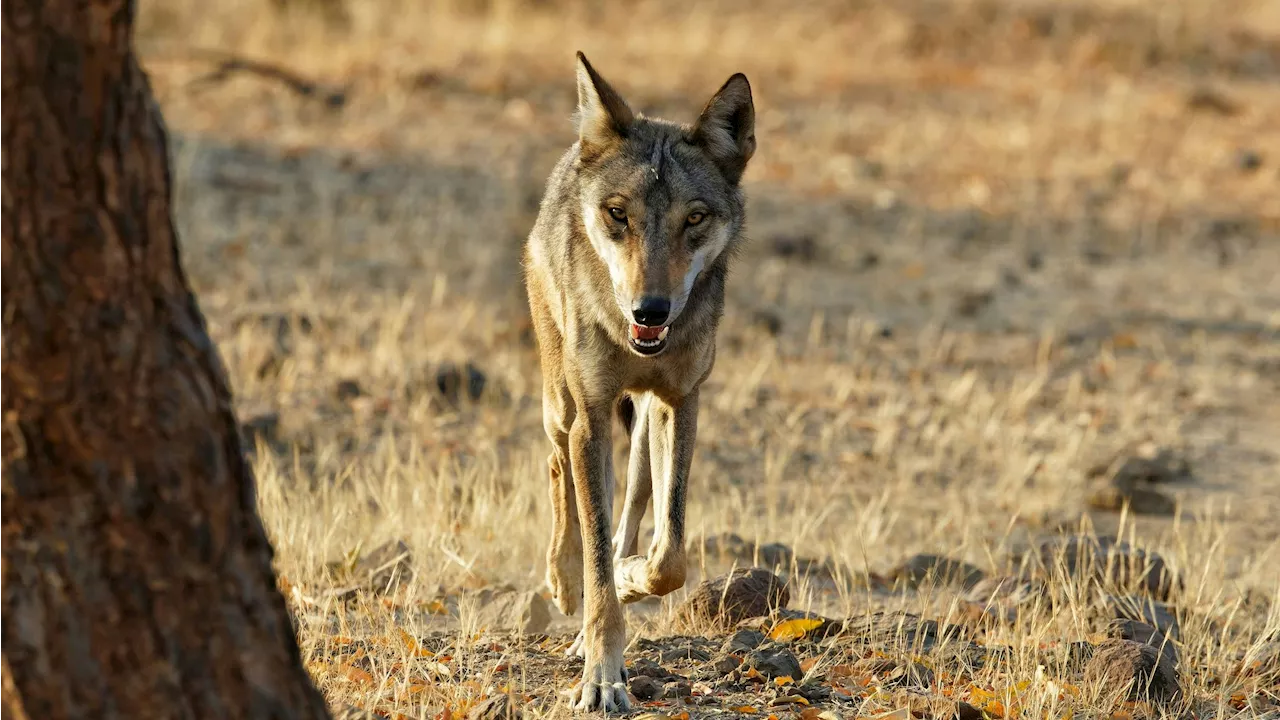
(651, 311)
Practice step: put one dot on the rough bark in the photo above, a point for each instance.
(137, 574)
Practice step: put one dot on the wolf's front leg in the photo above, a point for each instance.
(673, 429)
(603, 685)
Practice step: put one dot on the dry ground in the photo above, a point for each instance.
(992, 243)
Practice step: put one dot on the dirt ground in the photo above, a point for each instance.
(996, 249)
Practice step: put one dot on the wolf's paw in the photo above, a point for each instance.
(564, 577)
(579, 646)
(635, 578)
(603, 686)
(630, 578)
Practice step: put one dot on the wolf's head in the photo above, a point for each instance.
(660, 201)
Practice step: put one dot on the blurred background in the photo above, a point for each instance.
(993, 246)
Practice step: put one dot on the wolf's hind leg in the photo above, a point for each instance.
(564, 555)
(639, 482)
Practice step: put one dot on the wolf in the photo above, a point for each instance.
(625, 269)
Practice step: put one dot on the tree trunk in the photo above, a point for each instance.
(137, 574)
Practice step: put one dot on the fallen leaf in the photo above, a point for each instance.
(784, 680)
(411, 644)
(439, 669)
(1124, 341)
(789, 700)
(842, 671)
(748, 709)
(355, 674)
(808, 663)
(789, 630)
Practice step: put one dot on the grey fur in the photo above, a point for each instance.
(637, 208)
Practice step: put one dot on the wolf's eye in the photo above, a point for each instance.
(618, 214)
(695, 218)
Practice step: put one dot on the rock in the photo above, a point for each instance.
(894, 673)
(961, 711)
(976, 614)
(677, 689)
(923, 568)
(731, 547)
(901, 630)
(687, 652)
(729, 599)
(1137, 631)
(645, 666)
(452, 382)
(1105, 560)
(1002, 597)
(1143, 609)
(744, 641)
(971, 302)
(1129, 479)
(525, 611)
(1153, 465)
(1248, 160)
(644, 687)
(767, 320)
(813, 692)
(1147, 674)
(1211, 100)
(264, 427)
(380, 570)
(347, 390)
(725, 665)
(775, 662)
(498, 707)
(1108, 497)
(799, 247)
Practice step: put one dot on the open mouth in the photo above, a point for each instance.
(648, 340)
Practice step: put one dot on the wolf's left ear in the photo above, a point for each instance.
(603, 116)
(727, 128)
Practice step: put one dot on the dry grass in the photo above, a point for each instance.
(991, 242)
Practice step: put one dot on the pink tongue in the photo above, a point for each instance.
(645, 333)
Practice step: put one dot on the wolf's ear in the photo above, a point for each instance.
(727, 128)
(603, 116)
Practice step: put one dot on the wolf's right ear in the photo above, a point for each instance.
(603, 116)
